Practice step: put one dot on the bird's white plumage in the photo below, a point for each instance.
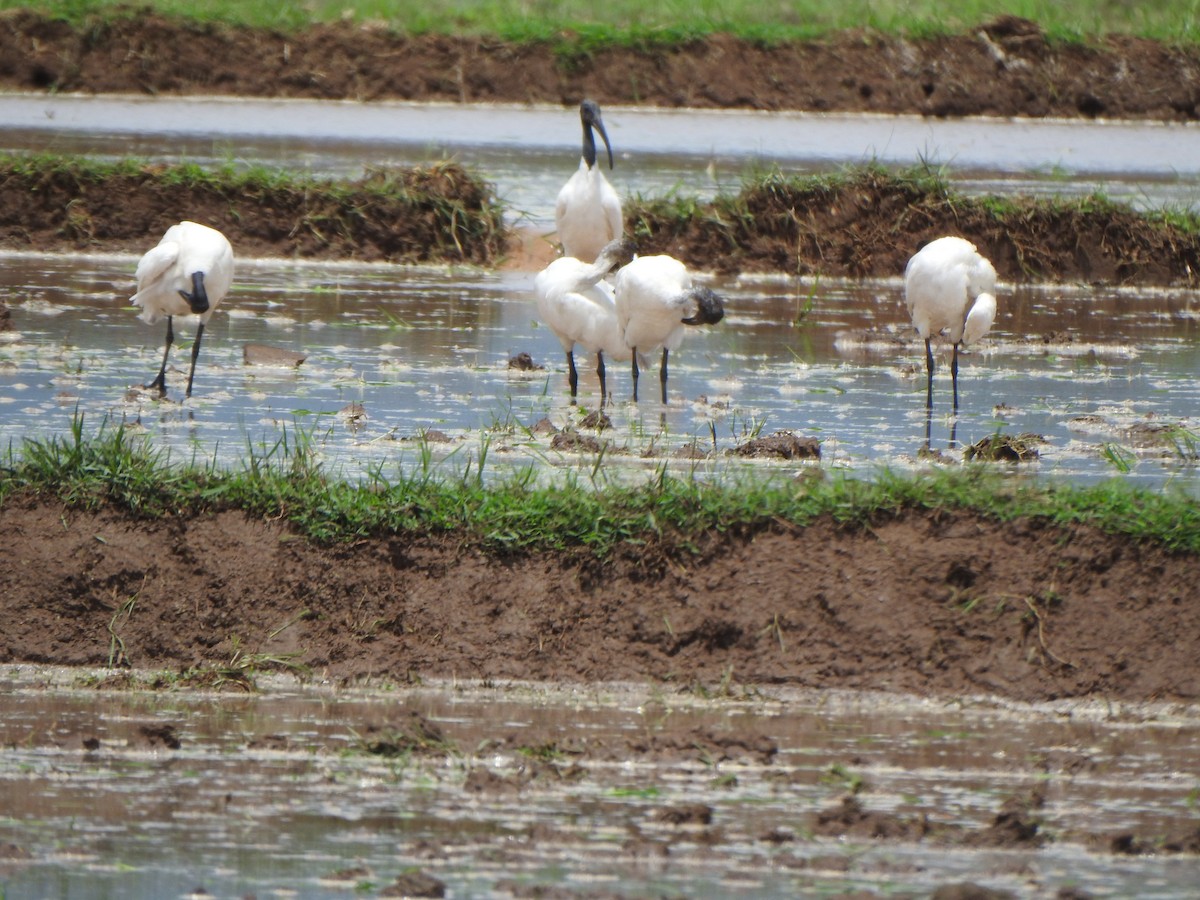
(652, 299)
(587, 214)
(949, 287)
(167, 268)
(578, 306)
(655, 300)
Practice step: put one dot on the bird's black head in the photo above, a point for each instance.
(197, 297)
(618, 253)
(709, 308)
(589, 114)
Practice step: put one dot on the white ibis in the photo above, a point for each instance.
(577, 304)
(588, 212)
(949, 287)
(655, 299)
(189, 272)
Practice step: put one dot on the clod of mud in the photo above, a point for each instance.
(155, 736)
(969, 890)
(544, 426)
(780, 445)
(574, 442)
(415, 884)
(596, 419)
(523, 362)
(850, 818)
(688, 814)
(1004, 448)
(1013, 826)
(414, 735)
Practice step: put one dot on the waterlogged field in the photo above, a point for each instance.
(506, 791)
(412, 367)
(308, 791)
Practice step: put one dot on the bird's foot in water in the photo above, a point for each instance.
(158, 387)
(933, 454)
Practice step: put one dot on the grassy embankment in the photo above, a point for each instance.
(843, 224)
(581, 25)
(820, 225)
(111, 466)
(434, 213)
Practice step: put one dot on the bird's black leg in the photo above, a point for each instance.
(954, 376)
(161, 381)
(600, 373)
(635, 374)
(662, 376)
(572, 375)
(195, 354)
(928, 376)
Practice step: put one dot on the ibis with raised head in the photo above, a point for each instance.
(588, 212)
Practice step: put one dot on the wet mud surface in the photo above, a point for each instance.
(937, 603)
(510, 789)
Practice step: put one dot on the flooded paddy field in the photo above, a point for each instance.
(406, 365)
(309, 790)
(303, 790)
(1103, 375)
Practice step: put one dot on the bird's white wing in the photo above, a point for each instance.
(156, 263)
(980, 318)
(612, 212)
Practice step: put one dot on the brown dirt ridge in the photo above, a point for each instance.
(935, 602)
(1006, 67)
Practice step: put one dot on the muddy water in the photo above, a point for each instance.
(395, 355)
(278, 793)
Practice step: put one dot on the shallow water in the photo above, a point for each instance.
(529, 151)
(1098, 373)
(273, 793)
(396, 352)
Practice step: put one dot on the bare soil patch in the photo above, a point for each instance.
(1005, 68)
(940, 603)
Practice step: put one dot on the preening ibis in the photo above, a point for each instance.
(189, 272)
(655, 299)
(577, 304)
(949, 287)
(588, 212)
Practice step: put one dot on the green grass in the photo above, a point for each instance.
(631, 22)
(111, 466)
